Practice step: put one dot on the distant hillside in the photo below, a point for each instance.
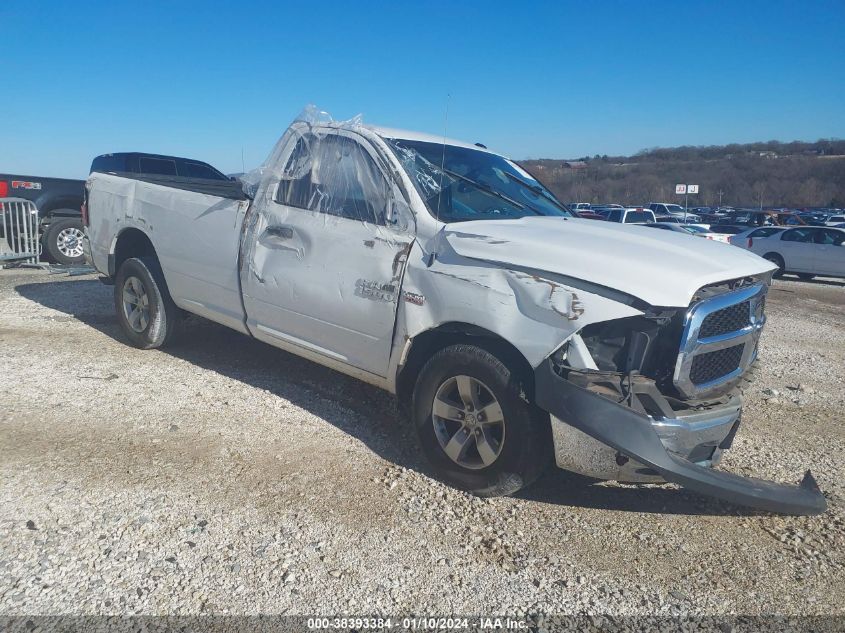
(796, 174)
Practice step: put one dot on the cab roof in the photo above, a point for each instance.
(409, 135)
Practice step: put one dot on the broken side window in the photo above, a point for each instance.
(333, 174)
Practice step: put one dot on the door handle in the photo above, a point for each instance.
(281, 232)
(283, 238)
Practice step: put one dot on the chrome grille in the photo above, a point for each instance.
(728, 319)
(719, 342)
(712, 365)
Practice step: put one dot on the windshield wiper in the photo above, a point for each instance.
(491, 191)
(540, 191)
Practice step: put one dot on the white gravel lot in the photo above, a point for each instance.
(224, 476)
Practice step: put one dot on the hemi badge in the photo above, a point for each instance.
(412, 297)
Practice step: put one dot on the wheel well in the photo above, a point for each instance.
(61, 207)
(428, 343)
(130, 243)
(773, 254)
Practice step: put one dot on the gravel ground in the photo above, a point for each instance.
(224, 476)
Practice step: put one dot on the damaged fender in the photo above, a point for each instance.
(632, 434)
(536, 314)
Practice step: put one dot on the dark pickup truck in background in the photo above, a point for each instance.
(59, 200)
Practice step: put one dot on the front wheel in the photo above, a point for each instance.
(146, 313)
(474, 425)
(777, 260)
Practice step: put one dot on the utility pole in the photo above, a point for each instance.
(720, 198)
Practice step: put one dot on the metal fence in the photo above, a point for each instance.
(19, 240)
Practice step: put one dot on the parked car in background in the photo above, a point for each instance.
(689, 229)
(670, 226)
(806, 251)
(588, 215)
(674, 219)
(710, 218)
(604, 209)
(730, 229)
(834, 220)
(709, 232)
(578, 206)
(745, 238)
(804, 219)
(667, 208)
(756, 217)
(58, 201)
(633, 215)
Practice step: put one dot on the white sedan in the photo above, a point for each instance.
(806, 251)
(690, 229)
(746, 238)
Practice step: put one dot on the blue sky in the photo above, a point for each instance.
(531, 79)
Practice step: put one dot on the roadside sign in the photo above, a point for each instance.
(680, 189)
(692, 188)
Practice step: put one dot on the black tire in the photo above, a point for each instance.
(526, 446)
(163, 316)
(60, 241)
(806, 276)
(777, 260)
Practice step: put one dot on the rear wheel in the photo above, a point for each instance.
(146, 313)
(475, 427)
(777, 260)
(63, 241)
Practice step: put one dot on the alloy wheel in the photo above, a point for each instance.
(468, 422)
(136, 304)
(69, 242)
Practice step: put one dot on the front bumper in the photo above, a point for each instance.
(698, 437)
(642, 447)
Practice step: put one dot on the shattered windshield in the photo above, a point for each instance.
(472, 184)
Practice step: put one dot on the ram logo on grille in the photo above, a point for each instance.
(719, 342)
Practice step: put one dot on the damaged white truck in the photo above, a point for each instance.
(513, 334)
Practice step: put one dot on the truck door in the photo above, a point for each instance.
(325, 258)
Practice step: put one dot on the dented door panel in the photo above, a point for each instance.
(323, 261)
(332, 287)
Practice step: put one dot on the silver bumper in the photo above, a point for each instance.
(696, 437)
(631, 436)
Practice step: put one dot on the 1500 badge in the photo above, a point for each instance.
(375, 290)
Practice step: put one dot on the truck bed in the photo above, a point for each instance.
(231, 189)
(195, 233)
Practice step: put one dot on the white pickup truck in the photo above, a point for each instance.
(512, 333)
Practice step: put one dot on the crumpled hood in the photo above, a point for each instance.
(663, 268)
